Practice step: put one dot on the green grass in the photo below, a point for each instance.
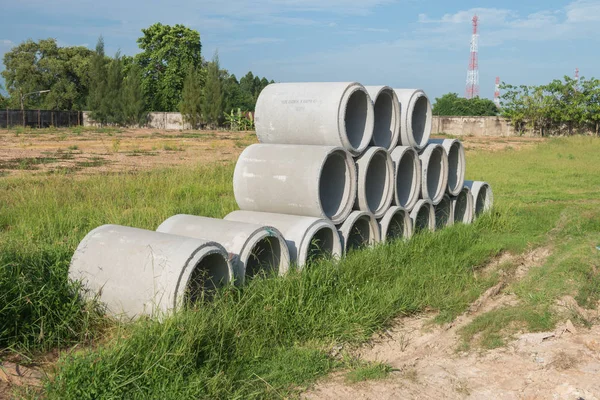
(272, 337)
(368, 372)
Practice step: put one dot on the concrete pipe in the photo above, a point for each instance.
(314, 181)
(136, 271)
(434, 173)
(483, 198)
(444, 215)
(462, 206)
(375, 189)
(322, 114)
(386, 106)
(407, 176)
(456, 164)
(255, 249)
(423, 216)
(307, 238)
(415, 117)
(359, 230)
(395, 224)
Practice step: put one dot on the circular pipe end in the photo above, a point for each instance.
(434, 173)
(375, 190)
(423, 216)
(356, 119)
(337, 185)
(359, 230)
(395, 224)
(264, 252)
(462, 207)
(444, 213)
(407, 176)
(320, 241)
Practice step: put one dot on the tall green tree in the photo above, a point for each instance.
(112, 102)
(212, 105)
(98, 81)
(133, 102)
(192, 98)
(167, 53)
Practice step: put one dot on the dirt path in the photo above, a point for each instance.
(563, 364)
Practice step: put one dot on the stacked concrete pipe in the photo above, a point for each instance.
(434, 173)
(315, 181)
(444, 215)
(322, 114)
(423, 216)
(136, 271)
(416, 118)
(462, 206)
(483, 197)
(456, 164)
(307, 238)
(395, 224)
(359, 230)
(375, 189)
(386, 106)
(255, 249)
(407, 177)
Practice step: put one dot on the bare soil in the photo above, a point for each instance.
(427, 363)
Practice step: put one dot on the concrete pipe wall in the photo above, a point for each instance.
(462, 206)
(323, 114)
(483, 198)
(423, 216)
(254, 248)
(407, 176)
(314, 181)
(307, 238)
(444, 215)
(375, 190)
(456, 164)
(434, 173)
(136, 271)
(415, 117)
(359, 230)
(386, 106)
(395, 224)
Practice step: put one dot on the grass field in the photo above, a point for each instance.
(273, 337)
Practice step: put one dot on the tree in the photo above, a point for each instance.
(98, 79)
(112, 103)
(212, 105)
(453, 105)
(192, 98)
(133, 103)
(167, 53)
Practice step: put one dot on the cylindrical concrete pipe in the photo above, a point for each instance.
(483, 197)
(423, 216)
(462, 206)
(415, 117)
(136, 271)
(444, 215)
(314, 181)
(386, 106)
(318, 113)
(254, 248)
(375, 190)
(456, 164)
(307, 238)
(359, 230)
(395, 224)
(407, 176)
(434, 173)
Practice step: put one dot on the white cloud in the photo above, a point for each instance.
(583, 11)
(6, 42)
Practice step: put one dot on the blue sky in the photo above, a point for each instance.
(401, 43)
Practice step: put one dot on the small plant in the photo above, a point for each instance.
(239, 121)
(116, 145)
(73, 147)
(368, 371)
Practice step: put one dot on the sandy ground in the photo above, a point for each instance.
(426, 362)
(38, 152)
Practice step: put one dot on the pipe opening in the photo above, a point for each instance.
(376, 182)
(443, 212)
(355, 118)
(334, 185)
(210, 274)
(264, 258)
(460, 208)
(419, 119)
(422, 219)
(321, 245)
(384, 120)
(482, 202)
(434, 173)
(406, 179)
(455, 167)
(360, 234)
(396, 227)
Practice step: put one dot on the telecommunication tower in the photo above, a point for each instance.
(497, 92)
(472, 89)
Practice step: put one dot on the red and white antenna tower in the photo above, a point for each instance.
(472, 89)
(497, 92)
